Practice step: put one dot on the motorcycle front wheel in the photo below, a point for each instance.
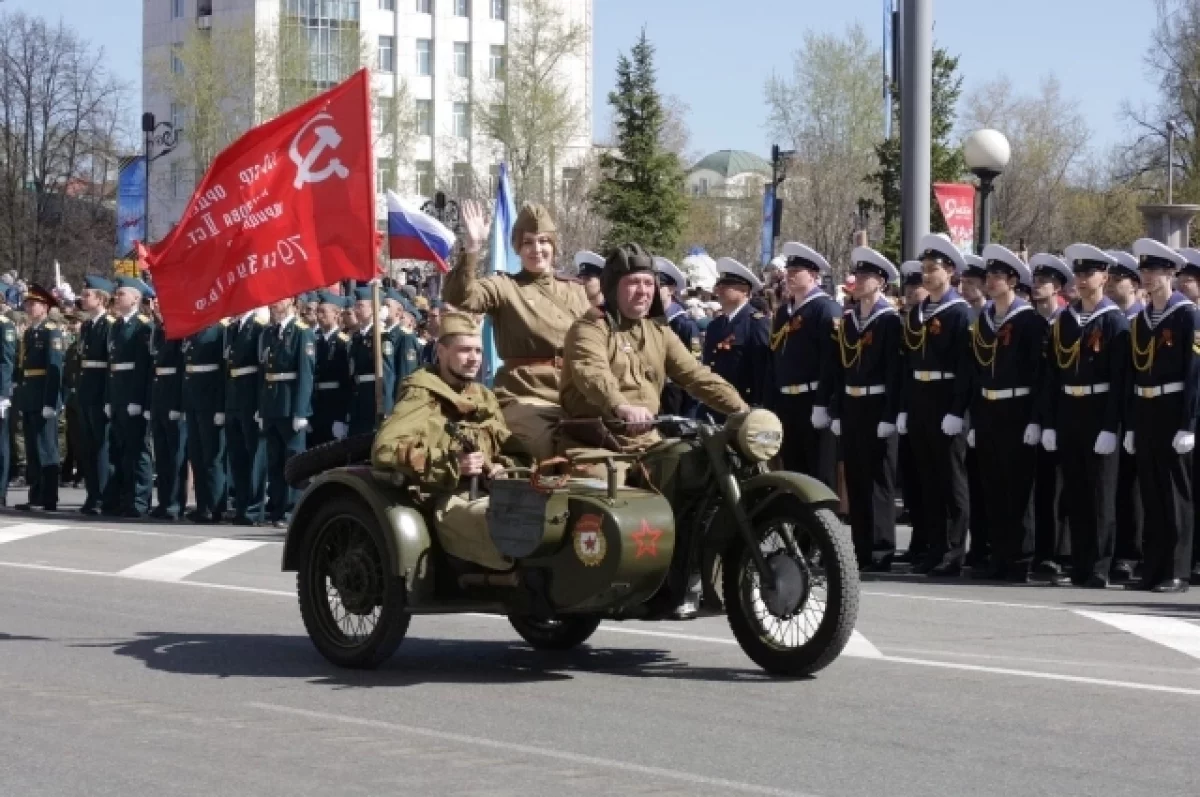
(802, 625)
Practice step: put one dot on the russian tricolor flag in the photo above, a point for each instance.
(413, 235)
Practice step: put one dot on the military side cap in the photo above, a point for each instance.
(97, 283)
(1154, 254)
(37, 293)
(136, 284)
(457, 324)
(533, 218)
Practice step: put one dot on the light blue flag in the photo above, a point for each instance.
(502, 258)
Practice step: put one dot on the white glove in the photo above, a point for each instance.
(4, 405)
(146, 414)
(48, 412)
(1106, 443)
(902, 423)
(952, 425)
(885, 430)
(258, 420)
(1033, 433)
(339, 430)
(835, 426)
(134, 410)
(1049, 440)
(219, 419)
(174, 415)
(820, 418)
(107, 410)
(971, 438)
(299, 424)
(1184, 442)
(1130, 448)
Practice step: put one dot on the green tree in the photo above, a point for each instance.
(946, 158)
(641, 193)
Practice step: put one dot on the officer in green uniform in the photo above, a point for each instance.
(247, 454)
(362, 367)
(8, 362)
(71, 469)
(40, 362)
(167, 425)
(406, 344)
(289, 355)
(130, 374)
(93, 384)
(333, 386)
(203, 408)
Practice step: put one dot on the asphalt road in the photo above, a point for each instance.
(128, 668)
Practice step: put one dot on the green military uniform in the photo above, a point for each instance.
(8, 362)
(39, 399)
(203, 406)
(167, 425)
(288, 363)
(70, 438)
(245, 445)
(362, 369)
(130, 375)
(93, 385)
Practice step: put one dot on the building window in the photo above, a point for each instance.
(702, 187)
(460, 182)
(177, 59)
(424, 57)
(176, 9)
(383, 174)
(387, 54)
(176, 178)
(462, 120)
(570, 181)
(424, 172)
(462, 8)
(387, 5)
(499, 9)
(496, 62)
(424, 6)
(176, 116)
(424, 117)
(462, 59)
(385, 115)
(329, 32)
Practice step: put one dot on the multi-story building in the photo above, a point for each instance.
(443, 56)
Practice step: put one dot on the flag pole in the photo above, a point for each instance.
(377, 345)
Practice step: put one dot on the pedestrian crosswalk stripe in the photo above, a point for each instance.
(21, 531)
(181, 564)
(1167, 631)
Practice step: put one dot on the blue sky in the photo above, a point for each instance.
(717, 54)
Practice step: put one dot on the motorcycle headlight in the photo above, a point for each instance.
(759, 435)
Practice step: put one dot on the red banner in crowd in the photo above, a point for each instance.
(957, 201)
(288, 207)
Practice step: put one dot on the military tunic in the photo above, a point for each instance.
(245, 445)
(93, 421)
(288, 365)
(40, 363)
(333, 387)
(675, 400)
(1127, 551)
(130, 376)
(8, 364)
(204, 391)
(737, 348)
(167, 425)
(362, 369)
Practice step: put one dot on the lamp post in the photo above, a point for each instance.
(779, 159)
(987, 154)
(166, 137)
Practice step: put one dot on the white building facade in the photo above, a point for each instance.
(444, 55)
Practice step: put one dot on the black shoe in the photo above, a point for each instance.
(1171, 586)
(133, 514)
(1047, 568)
(1060, 580)
(161, 513)
(1121, 573)
(25, 507)
(983, 573)
(1017, 576)
(200, 517)
(1140, 585)
(1195, 578)
(882, 566)
(1096, 581)
(946, 570)
(89, 510)
(243, 521)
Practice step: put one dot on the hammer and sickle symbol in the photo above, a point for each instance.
(327, 138)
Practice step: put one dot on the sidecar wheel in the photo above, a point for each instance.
(803, 626)
(562, 633)
(351, 603)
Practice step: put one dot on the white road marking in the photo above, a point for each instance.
(531, 750)
(23, 531)
(969, 601)
(1169, 632)
(858, 647)
(75, 571)
(181, 564)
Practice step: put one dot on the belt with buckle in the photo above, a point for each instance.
(122, 366)
(796, 390)
(327, 385)
(203, 368)
(865, 390)
(282, 376)
(932, 376)
(34, 372)
(369, 377)
(95, 364)
(1007, 393)
(243, 371)
(1158, 390)
(165, 371)
(1085, 390)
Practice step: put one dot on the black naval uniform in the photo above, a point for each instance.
(737, 348)
(1166, 375)
(288, 361)
(40, 363)
(362, 368)
(937, 384)
(675, 400)
(803, 356)
(1083, 395)
(130, 375)
(333, 386)
(93, 422)
(203, 400)
(866, 387)
(169, 433)
(8, 363)
(244, 443)
(1127, 552)
(1007, 354)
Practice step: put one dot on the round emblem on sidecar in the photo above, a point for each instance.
(588, 537)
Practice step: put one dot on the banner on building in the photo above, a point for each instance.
(957, 201)
(131, 204)
(768, 225)
(288, 207)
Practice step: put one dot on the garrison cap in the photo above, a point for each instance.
(457, 323)
(939, 248)
(1001, 258)
(1153, 254)
(800, 256)
(535, 219)
(864, 258)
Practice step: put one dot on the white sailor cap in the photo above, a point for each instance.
(1154, 254)
(1082, 257)
(997, 255)
(729, 270)
(1045, 264)
(910, 269)
(1126, 265)
(1192, 258)
(800, 256)
(669, 273)
(589, 264)
(975, 263)
(937, 246)
(864, 258)
(779, 262)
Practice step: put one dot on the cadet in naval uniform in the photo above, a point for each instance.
(362, 367)
(130, 375)
(243, 440)
(864, 401)
(1083, 401)
(1165, 343)
(167, 425)
(1188, 283)
(333, 386)
(203, 408)
(1124, 282)
(8, 364)
(736, 343)
(588, 267)
(803, 363)
(972, 286)
(918, 544)
(40, 363)
(93, 384)
(675, 400)
(289, 354)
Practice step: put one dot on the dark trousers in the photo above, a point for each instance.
(910, 490)
(41, 458)
(247, 464)
(676, 401)
(282, 444)
(129, 485)
(1166, 482)
(93, 453)
(1128, 547)
(870, 477)
(1051, 542)
(5, 456)
(170, 462)
(1006, 471)
(941, 469)
(1089, 485)
(979, 548)
(206, 454)
(806, 450)
(72, 465)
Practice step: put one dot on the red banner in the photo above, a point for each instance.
(957, 201)
(288, 207)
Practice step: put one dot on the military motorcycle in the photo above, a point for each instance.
(767, 545)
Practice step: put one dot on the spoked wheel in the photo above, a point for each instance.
(352, 605)
(562, 633)
(803, 624)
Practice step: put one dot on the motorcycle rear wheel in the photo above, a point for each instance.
(562, 633)
(811, 634)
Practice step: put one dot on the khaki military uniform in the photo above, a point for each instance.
(531, 315)
(413, 440)
(607, 366)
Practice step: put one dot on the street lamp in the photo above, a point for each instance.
(779, 163)
(166, 137)
(987, 153)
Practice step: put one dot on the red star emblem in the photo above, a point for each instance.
(589, 543)
(647, 540)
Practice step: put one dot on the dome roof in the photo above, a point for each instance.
(729, 162)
